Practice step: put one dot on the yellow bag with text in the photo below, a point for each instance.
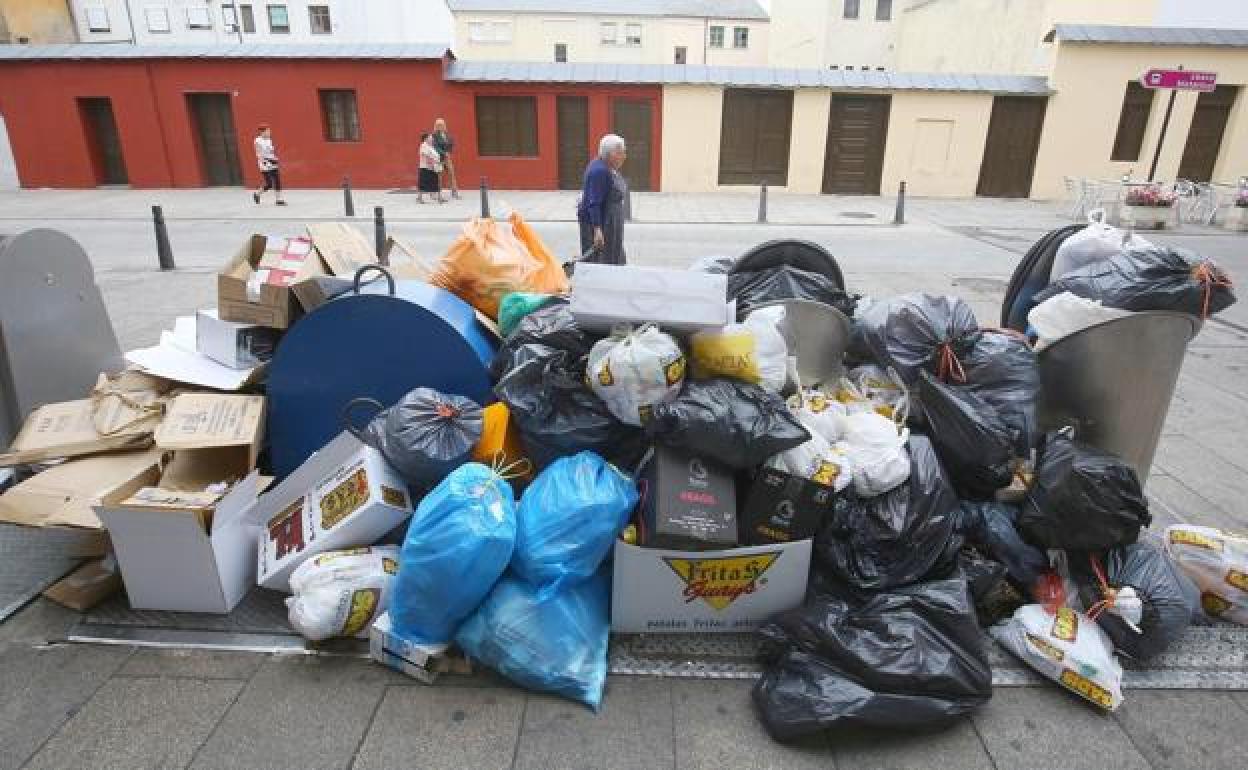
(753, 351)
(1217, 562)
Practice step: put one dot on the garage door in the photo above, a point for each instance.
(857, 131)
(754, 139)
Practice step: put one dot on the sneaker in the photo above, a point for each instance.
(256, 197)
(281, 203)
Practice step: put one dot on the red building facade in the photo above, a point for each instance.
(190, 122)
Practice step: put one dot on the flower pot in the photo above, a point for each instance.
(1146, 217)
(1234, 218)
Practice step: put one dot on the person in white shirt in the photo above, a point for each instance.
(266, 159)
(430, 170)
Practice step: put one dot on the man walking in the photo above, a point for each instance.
(444, 144)
(266, 159)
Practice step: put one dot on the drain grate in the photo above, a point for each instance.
(857, 215)
(33, 558)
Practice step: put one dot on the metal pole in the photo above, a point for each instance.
(164, 252)
(899, 216)
(1161, 137)
(485, 199)
(379, 228)
(348, 203)
(762, 203)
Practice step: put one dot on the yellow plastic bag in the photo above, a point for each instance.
(500, 441)
(754, 351)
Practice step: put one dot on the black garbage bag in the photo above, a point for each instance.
(909, 658)
(995, 597)
(1083, 499)
(1001, 368)
(991, 526)
(1158, 278)
(971, 438)
(913, 332)
(786, 282)
(1169, 596)
(551, 325)
(426, 434)
(557, 414)
(736, 423)
(719, 265)
(900, 537)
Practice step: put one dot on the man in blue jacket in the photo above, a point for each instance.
(600, 210)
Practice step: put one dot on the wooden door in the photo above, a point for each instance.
(213, 120)
(754, 136)
(572, 114)
(857, 134)
(1204, 139)
(631, 120)
(1011, 146)
(103, 141)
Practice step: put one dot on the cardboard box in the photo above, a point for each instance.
(88, 585)
(87, 426)
(65, 495)
(419, 661)
(781, 507)
(344, 495)
(667, 591)
(232, 344)
(181, 547)
(687, 501)
(676, 300)
(343, 248)
(255, 287)
(177, 358)
(407, 263)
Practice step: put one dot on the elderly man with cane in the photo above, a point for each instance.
(600, 210)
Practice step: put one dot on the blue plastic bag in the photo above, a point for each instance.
(568, 520)
(458, 544)
(554, 644)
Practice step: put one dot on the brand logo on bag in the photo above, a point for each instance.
(330, 558)
(1087, 688)
(394, 497)
(1065, 625)
(785, 510)
(826, 473)
(286, 530)
(1044, 648)
(1186, 537)
(817, 403)
(363, 605)
(698, 474)
(390, 566)
(675, 371)
(1237, 579)
(719, 582)
(344, 500)
(604, 375)
(1213, 605)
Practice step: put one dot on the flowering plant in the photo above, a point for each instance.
(1150, 195)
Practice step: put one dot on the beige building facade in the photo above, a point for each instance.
(36, 22)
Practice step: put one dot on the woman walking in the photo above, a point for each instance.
(445, 144)
(430, 170)
(600, 210)
(266, 160)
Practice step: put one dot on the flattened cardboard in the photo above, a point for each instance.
(177, 358)
(213, 429)
(65, 495)
(343, 248)
(271, 305)
(88, 585)
(231, 344)
(87, 426)
(739, 589)
(406, 262)
(423, 662)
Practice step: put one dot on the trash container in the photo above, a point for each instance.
(1114, 382)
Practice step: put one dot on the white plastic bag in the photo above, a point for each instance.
(1067, 647)
(821, 414)
(1217, 562)
(877, 453)
(817, 460)
(1064, 314)
(871, 388)
(339, 593)
(634, 372)
(753, 351)
(1093, 243)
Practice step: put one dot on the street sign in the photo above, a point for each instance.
(1180, 80)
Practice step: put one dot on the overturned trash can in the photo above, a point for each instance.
(1114, 381)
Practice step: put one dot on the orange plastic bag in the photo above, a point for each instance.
(492, 259)
(500, 441)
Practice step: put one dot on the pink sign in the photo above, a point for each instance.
(1182, 80)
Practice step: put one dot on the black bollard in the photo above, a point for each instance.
(379, 227)
(762, 203)
(485, 199)
(348, 205)
(164, 252)
(899, 216)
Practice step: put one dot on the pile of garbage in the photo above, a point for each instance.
(637, 450)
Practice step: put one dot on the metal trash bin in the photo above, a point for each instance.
(1114, 382)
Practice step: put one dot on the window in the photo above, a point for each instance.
(561, 52)
(741, 37)
(632, 34)
(883, 10)
(478, 32)
(318, 19)
(198, 18)
(717, 37)
(97, 20)
(507, 126)
(1137, 102)
(502, 32)
(249, 18)
(339, 115)
(229, 18)
(489, 31)
(682, 54)
(606, 32)
(851, 9)
(279, 20)
(157, 19)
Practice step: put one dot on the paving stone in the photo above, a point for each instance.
(633, 729)
(957, 746)
(39, 622)
(1184, 729)
(1185, 505)
(1213, 478)
(139, 723)
(432, 728)
(1046, 727)
(193, 664)
(41, 687)
(716, 727)
(298, 713)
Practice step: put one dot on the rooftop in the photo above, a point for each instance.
(220, 51)
(714, 9)
(1188, 36)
